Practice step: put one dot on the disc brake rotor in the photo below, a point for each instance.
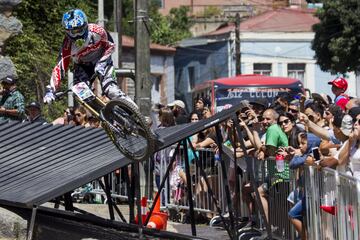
(128, 124)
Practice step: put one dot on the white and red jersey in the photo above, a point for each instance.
(96, 49)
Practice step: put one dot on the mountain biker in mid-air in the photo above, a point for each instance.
(90, 47)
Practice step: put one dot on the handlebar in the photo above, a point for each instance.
(59, 95)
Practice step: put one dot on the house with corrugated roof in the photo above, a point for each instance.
(275, 43)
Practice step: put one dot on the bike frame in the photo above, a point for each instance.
(94, 112)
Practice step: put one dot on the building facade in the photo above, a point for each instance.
(161, 70)
(276, 43)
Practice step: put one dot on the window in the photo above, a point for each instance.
(159, 3)
(157, 91)
(156, 80)
(296, 70)
(262, 68)
(191, 74)
(295, 2)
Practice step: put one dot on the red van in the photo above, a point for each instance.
(226, 92)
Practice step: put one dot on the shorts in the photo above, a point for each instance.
(296, 212)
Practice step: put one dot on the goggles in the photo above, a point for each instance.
(76, 32)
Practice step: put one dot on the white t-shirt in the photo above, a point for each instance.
(354, 160)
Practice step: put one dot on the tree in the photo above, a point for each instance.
(172, 28)
(163, 30)
(337, 36)
(35, 51)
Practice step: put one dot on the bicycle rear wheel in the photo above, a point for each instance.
(128, 130)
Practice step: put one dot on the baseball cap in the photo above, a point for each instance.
(34, 105)
(9, 80)
(346, 125)
(339, 83)
(178, 103)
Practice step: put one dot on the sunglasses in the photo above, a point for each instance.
(293, 111)
(286, 121)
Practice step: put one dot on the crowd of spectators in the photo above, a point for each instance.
(303, 130)
(292, 127)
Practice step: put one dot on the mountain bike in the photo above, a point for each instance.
(121, 120)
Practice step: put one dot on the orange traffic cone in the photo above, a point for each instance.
(158, 219)
(157, 205)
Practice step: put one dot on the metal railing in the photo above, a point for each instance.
(202, 201)
(332, 198)
(169, 197)
(332, 203)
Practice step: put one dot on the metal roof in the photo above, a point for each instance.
(170, 135)
(39, 162)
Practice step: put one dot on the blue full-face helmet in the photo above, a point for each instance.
(75, 24)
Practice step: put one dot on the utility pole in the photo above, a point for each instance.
(101, 22)
(101, 19)
(142, 63)
(237, 44)
(118, 27)
(142, 81)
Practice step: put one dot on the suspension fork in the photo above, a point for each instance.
(93, 106)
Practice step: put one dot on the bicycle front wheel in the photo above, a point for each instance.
(128, 130)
